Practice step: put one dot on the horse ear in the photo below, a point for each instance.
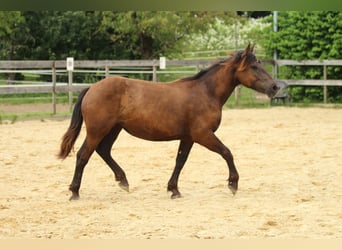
(247, 50)
(243, 65)
(252, 49)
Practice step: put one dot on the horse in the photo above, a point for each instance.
(188, 109)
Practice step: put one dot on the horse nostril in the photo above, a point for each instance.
(275, 87)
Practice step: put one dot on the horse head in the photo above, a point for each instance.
(251, 73)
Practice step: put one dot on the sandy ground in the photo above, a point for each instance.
(32, 108)
(290, 166)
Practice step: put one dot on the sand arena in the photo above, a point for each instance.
(290, 166)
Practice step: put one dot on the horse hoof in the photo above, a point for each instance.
(176, 196)
(124, 187)
(232, 189)
(74, 197)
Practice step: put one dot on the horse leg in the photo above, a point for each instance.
(83, 156)
(104, 148)
(211, 142)
(183, 152)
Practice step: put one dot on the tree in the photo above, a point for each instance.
(150, 34)
(101, 35)
(58, 35)
(14, 37)
(14, 34)
(221, 37)
(308, 35)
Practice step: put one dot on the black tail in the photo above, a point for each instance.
(74, 129)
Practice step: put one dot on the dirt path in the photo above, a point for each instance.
(290, 166)
(32, 108)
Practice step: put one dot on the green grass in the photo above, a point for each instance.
(30, 98)
(246, 99)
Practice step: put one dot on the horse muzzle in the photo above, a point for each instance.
(273, 90)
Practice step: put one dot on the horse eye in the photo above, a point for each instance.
(254, 67)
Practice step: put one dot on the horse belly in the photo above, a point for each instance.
(155, 128)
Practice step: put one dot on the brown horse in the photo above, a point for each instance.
(188, 110)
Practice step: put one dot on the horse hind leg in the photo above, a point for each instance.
(104, 148)
(83, 156)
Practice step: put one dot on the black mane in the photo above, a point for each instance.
(237, 57)
(205, 71)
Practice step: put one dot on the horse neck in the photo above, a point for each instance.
(221, 84)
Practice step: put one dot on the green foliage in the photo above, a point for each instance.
(47, 35)
(58, 35)
(99, 34)
(307, 35)
(29, 98)
(150, 34)
(13, 34)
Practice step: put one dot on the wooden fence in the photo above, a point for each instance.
(325, 82)
(103, 67)
(109, 67)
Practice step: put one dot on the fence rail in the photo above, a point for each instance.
(312, 82)
(108, 67)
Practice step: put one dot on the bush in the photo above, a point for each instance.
(307, 35)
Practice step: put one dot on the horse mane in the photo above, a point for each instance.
(235, 58)
(203, 72)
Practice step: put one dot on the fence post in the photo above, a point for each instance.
(237, 91)
(325, 88)
(154, 74)
(107, 71)
(70, 89)
(70, 69)
(54, 82)
(275, 69)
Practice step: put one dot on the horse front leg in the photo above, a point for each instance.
(182, 155)
(211, 142)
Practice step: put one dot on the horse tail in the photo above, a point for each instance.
(74, 129)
